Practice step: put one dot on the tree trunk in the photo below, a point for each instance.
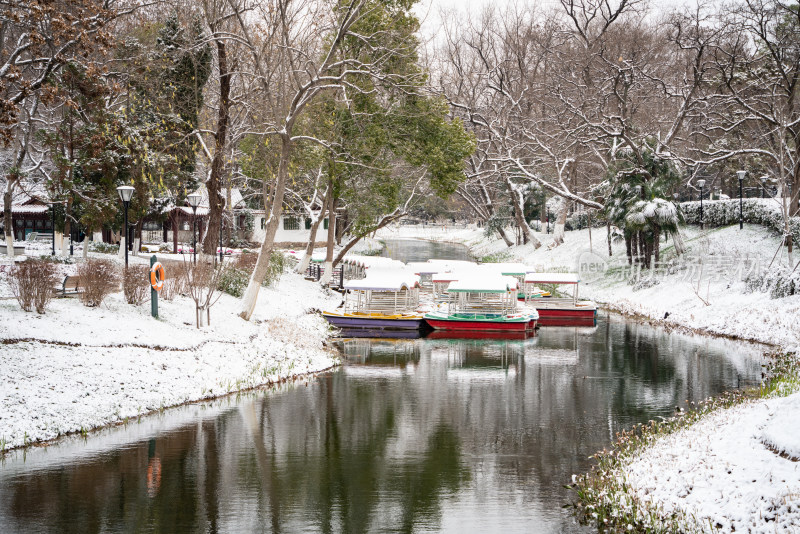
(8, 223)
(608, 233)
(213, 186)
(312, 237)
(657, 245)
(271, 227)
(628, 247)
(519, 214)
(561, 221)
(67, 228)
(328, 273)
(355, 239)
(85, 251)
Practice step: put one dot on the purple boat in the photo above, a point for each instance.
(374, 320)
(385, 299)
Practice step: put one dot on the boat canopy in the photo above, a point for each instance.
(483, 283)
(508, 269)
(423, 268)
(378, 279)
(552, 278)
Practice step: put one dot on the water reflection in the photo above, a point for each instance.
(408, 436)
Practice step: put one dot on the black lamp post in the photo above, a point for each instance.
(221, 220)
(194, 200)
(763, 185)
(548, 222)
(125, 194)
(53, 225)
(741, 175)
(701, 183)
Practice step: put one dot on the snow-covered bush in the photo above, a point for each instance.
(203, 281)
(277, 265)
(779, 281)
(234, 282)
(765, 212)
(103, 248)
(98, 278)
(135, 283)
(175, 284)
(32, 283)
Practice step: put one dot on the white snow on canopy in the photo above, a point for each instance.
(508, 269)
(384, 280)
(552, 278)
(421, 268)
(482, 283)
(369, 262)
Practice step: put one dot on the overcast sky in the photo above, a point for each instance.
(428, 10)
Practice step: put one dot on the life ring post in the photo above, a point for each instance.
(157, 277)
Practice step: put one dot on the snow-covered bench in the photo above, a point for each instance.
(69, 287)
(19, 250)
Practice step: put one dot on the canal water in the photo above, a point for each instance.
(425, 435)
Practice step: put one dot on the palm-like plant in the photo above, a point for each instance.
(637, 203)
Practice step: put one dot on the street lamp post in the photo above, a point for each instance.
(53, 225)
(763, 185)
(741, 175)
(125, 194)
(701, 183)
(194, 200)
(221, 220)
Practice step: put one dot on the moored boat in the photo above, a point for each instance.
(383, 300)
(487, 303)
(555, 311)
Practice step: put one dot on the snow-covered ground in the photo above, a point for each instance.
(77, 368)
(738, 468)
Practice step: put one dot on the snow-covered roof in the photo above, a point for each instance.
(552, 278)
(483, 283)
(202, 212)
(385, 280)
(29, 208)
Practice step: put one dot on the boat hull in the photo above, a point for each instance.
(373, 322)
(481, 326)
(567, 317)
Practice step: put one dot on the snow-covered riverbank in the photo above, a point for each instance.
(736, 468)
(77, 368)
(709, 297)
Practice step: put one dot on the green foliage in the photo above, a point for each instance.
(103, 248)
(234, 282)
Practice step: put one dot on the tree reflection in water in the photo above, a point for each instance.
(409, 435)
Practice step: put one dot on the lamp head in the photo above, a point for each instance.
(764, 179)
(701, 183)
(740, 175)
(125, 192)
(193, 199)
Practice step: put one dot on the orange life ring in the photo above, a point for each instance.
(157, 276)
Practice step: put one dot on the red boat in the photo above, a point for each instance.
(559, 311)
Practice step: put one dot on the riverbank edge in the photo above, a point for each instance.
(267, 385)
(264, 386)
(604, 497)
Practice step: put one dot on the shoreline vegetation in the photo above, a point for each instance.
(605, 497)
